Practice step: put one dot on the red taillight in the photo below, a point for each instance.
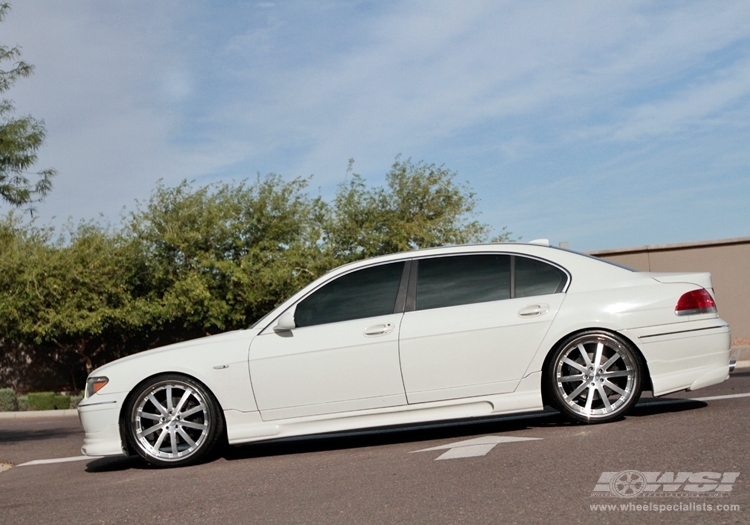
(696, 302)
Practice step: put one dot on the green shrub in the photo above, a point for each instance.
(8, 400)
(62, 402)
(74, 400)
(41, 400)
(48, 401)
(23, 403)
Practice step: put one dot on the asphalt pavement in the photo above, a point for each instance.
(530, 469)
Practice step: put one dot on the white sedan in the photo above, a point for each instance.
(434, 334)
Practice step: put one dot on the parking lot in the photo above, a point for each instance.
(525, 469)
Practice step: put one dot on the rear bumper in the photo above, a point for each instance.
(685, 356)
(101, 421)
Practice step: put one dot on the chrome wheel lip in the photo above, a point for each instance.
(175, 424)
(603, 368)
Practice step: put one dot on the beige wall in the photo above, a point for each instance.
(727, 260)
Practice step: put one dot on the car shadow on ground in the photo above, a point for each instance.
(15, 436)
(456, 429)
(653, 406)
(116, 463)
(466, 428)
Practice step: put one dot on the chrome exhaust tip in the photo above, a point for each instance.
(732, 364)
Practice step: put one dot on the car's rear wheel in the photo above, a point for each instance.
(172, 420)
(594, 377)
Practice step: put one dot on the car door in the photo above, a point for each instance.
(342, 353)
(475, 323)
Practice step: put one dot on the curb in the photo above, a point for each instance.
(38, 413)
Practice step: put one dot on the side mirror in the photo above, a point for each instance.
(285, 323)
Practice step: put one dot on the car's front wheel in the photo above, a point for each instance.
(172, 420)
(594, 377)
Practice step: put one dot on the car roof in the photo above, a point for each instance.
(498, 247)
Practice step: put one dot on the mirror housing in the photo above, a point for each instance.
(285, 323)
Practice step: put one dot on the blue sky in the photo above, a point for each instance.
(605, 124)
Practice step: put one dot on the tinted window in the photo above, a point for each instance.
(466, 279)
(364, 293)
(537, 278)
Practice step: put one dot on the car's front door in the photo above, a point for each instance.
(342, 355)
(476, 324)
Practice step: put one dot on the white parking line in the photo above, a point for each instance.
(57, 460)
(712, 398)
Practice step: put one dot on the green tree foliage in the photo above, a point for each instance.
(20, 138)
(73, 296)
(420, 207)
(220, 256)
(196, 261)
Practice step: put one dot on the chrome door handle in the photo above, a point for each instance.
(533, 310)
(379, 329)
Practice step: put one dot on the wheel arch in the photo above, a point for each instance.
(647, 385)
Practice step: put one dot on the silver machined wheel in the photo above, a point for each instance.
(171, 420)
(595, 377)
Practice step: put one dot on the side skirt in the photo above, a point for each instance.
(245, 427)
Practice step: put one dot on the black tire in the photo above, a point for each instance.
(172, 420)
(594, 377)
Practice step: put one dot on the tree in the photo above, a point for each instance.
(20, 138)
(74, 296)
(221, 256)
(420, 207)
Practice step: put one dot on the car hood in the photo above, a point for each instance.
(214, 344)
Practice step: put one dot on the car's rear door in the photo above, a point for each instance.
(475, 323)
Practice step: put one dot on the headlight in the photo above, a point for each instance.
(94, 384)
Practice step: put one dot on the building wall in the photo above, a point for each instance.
(728, 261)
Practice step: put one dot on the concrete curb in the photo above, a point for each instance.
(39, 413)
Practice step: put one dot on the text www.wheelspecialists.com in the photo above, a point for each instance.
(665, 507)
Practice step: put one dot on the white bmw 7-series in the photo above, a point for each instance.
(434, 334)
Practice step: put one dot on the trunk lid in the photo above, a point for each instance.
(702, 279)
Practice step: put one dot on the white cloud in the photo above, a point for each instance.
(427, 71)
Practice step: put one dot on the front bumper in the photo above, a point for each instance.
(100, 417)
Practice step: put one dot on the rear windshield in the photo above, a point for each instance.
(622, 266)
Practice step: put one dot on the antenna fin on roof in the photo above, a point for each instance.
(541, 242)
